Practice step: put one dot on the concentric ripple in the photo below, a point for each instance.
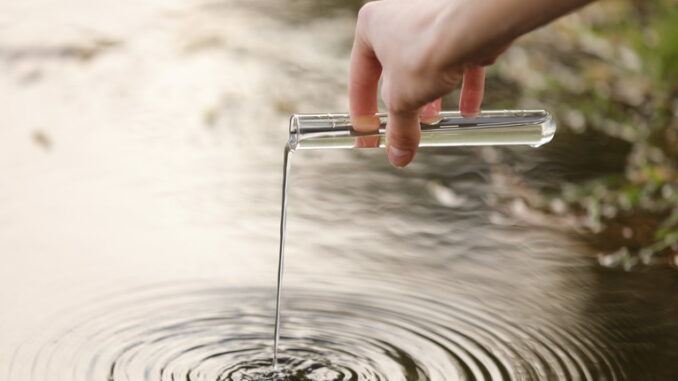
(224, 334)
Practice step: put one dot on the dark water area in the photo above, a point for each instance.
(155, 254)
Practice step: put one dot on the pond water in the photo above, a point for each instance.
(141, 157)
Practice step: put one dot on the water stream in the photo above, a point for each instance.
(281, 252)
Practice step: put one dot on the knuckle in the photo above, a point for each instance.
(406, 98)
(395, 95)
(363, 24)
(365, 13)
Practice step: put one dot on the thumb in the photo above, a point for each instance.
(402, 136)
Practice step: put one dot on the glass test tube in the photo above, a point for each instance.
(499, 127)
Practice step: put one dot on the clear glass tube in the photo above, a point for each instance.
(500, 127)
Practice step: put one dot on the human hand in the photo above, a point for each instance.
(421, 55)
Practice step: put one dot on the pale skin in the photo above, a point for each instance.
(422, 49)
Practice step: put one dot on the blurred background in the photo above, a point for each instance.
(141, 146)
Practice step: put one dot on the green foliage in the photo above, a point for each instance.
(613, 69)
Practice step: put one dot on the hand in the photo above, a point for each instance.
(421, 55)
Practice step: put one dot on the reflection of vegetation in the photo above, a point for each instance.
(612, 70)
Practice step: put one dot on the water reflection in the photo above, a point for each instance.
(383, 330)
(371, 327)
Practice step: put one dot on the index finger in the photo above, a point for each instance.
(365, 71)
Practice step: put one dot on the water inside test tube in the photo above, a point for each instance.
(495, 127)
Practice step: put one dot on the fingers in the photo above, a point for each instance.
(430, 113)
(472, 91)
(402, 135)
(365, 71)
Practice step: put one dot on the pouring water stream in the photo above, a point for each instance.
(323, 131)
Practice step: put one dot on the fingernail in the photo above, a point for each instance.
(431, 119)
(365, 122)
(470, 115)
(430, 113)
(398, 157)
